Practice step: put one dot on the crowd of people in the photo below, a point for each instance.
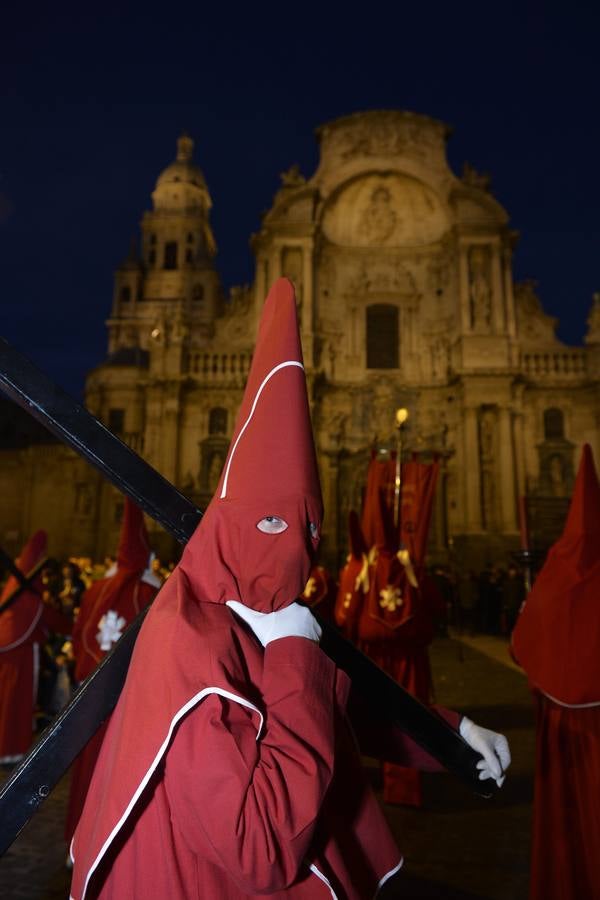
(487, 602)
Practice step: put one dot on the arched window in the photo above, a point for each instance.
(198, 293)
(152, 258)
(217, 421)
(554, 424)
(190, 238)
(170, 255)
(152, 239)
(125, 295)
(189, 255)
(382, 336)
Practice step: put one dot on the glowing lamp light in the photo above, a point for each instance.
(155, 333)
(401, 417)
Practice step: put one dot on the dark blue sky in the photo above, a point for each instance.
(92, 104)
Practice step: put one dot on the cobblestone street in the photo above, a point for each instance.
(457, 847)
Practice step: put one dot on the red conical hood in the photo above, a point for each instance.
(17, 622)
(270, 473)
(581, 534)
(32, 553)
(557, 635)
(134, 547)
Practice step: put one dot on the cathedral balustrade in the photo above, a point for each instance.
(565, 364)
(220, 368)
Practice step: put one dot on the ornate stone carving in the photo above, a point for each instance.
(384, 133)
(292, 178)
(532, 322)
(480, 288)
(383, 276)
(379, 219)
(385, 211)
(473, 178)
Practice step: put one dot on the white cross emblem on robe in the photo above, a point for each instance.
(390, 598)
(111, 627)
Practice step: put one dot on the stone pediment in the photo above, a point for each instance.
(384, 210)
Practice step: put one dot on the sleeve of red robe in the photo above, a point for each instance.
(252, 805)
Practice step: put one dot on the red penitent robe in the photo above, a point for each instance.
(230, 772)
(556, 640)
(23, 626)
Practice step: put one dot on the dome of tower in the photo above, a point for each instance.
(183, 170)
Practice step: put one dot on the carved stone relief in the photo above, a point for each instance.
(385, 211)
(384, 134)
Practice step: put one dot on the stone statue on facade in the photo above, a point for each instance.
(379, 219)
(480, 289)
(593, 322)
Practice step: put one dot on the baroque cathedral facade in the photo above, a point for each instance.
(406, 298)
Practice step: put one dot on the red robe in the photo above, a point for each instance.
(395, 625)
(229, 771)
(123, 596)
(556, 640)
(247, 780)
(23, 627)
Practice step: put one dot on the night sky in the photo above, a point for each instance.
(92, 104)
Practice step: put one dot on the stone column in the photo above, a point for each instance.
(509, 299)
(308, 311)
(498, 320)
(506, 458)
(465, 303)
(471, 470)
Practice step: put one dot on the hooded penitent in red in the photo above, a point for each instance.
(23, 626)
(107, 608)
(557, 641)
(396, 622)
(229, 770)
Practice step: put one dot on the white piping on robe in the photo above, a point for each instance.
(283, 365)
(326, 881)
(389, 875)
(570, 705)
(178, 715)
(24, 637)
(381, 883)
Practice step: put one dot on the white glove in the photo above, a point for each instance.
(292, 621)
(492, 746)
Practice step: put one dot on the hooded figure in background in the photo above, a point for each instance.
(354, 581)
(397, 617)
(107, 608)
(229, 769)
(24, 625)
(557, 641)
